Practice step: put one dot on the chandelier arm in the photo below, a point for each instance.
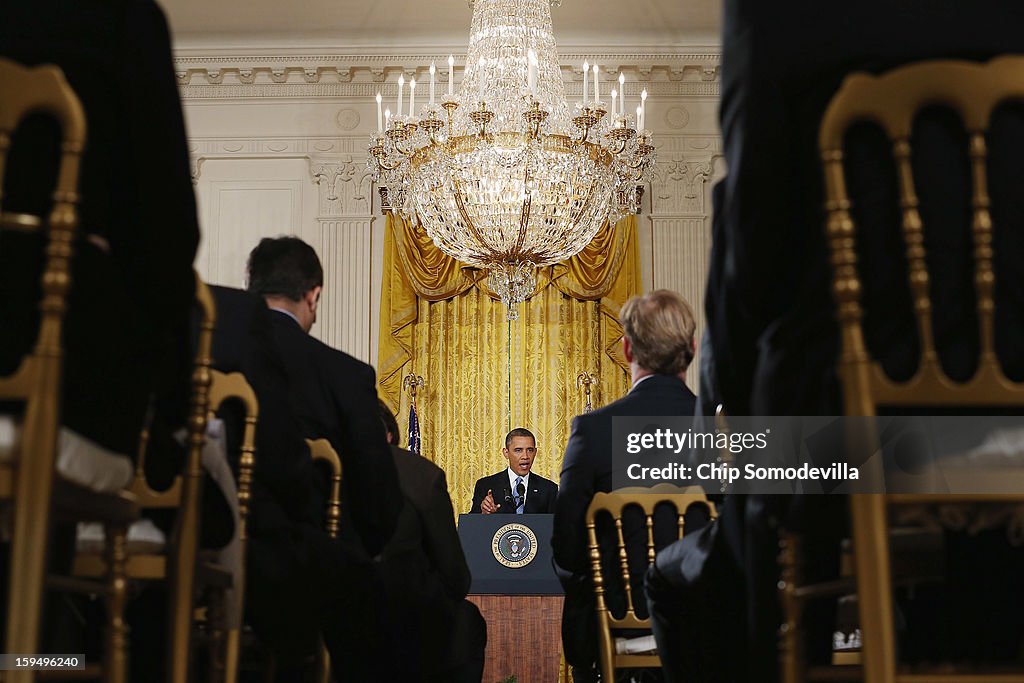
(387, 167)
(620, 150)
(641, 162)
(404, 152)
(583, 137)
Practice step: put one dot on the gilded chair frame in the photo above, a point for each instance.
(28, 480)
(646, 499)
(892, 100)
(322, 451)
(227, 387)
(178, 564)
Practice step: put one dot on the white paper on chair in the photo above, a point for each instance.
(636, 646)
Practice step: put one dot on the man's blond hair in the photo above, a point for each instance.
(660, 328)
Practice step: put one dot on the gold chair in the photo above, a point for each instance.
(892, 100)
(227, 387)
(181, 564)
(27, 482)
(647, 499)
(322, 451)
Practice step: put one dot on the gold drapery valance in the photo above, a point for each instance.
(606, 271)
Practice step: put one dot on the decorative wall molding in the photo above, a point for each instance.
(347, 151)
(243, 75)
(693, 146)
(345, 188)
(678, 188)
(205, 87)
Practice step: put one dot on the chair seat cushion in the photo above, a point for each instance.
(144, 538)
(79, 459)
(643, 645)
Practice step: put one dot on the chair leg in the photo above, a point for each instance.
(232, 654)
(607, 653)
(874, 587)
(324, 673)
(116, 665)
(181, 573)
(30, 540)
(215, 627)
(790, 640)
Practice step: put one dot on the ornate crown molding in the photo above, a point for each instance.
(294, 75)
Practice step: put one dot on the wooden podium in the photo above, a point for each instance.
(518, 594)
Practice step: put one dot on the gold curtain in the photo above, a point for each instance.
(484, 374)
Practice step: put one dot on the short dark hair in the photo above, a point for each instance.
(284, 266)
(519, 431)
(390, 423)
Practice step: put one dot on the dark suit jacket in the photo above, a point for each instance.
(587, 469)
(294, 570)
(771, 319)
(126, 333)
(540, 499)
(769, 301)
(404, 628)
(334, 396)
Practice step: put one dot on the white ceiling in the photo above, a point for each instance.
(389, 24)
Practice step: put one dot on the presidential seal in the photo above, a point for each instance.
(514, 545)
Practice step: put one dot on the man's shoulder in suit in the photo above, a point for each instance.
(415, 473)
(295, 338)
(540, 482)
(659, 395)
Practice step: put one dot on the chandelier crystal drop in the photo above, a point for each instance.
(506, 175)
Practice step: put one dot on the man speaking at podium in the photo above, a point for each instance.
(516, 490)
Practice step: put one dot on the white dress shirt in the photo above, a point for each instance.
(512, 483)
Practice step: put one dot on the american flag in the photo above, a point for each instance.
(414, 430)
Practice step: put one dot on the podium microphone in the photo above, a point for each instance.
(521, 491)
(508, 498)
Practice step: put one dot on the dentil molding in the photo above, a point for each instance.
(219, 76)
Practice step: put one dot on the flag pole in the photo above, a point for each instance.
(413, 383)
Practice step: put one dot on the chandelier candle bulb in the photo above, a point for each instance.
(387, 118)
(451, 75)
(622, 94)
(412, 97)
(380, 115)
(597, 86)
(643, 110)
(615, 95)
(432, 70)
(639, 118)
(586, 73)
(401, 87)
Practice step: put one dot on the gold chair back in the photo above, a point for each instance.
(24, 91)
(892, 100)
(646, 499)
(228, 387)
(184, 542)
(322, 451)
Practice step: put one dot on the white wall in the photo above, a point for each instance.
(278, 145)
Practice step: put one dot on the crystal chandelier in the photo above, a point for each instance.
(506, 175)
